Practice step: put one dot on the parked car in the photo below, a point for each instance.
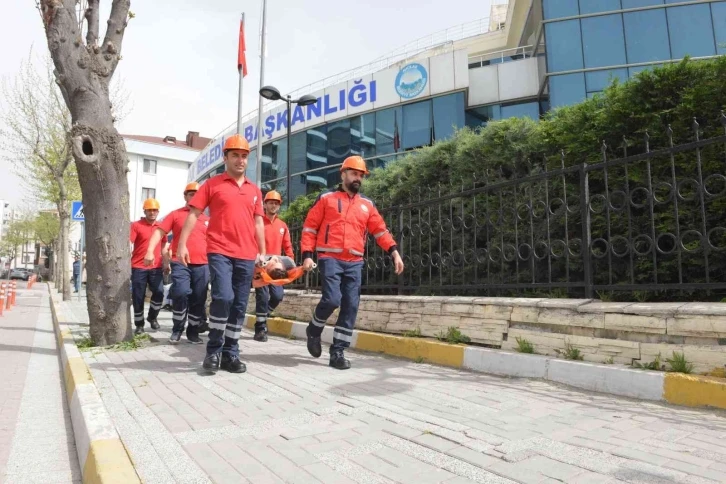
(22, 274)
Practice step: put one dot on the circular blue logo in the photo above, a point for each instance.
(411, 80)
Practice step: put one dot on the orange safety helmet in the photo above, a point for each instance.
(151, 204)
(236, 142)
(191, 187)
(354, 163)
(274, 196)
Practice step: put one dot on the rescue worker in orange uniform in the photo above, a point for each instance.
(235, 243)
(336, 228)
(189, 283)
(143, 275)
(277, 240)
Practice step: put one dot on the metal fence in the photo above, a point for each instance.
(651, 221)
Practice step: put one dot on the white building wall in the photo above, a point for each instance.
(172, 166)
(503, 82)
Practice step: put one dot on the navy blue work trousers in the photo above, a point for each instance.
(140, 279)
(341, 282)
(188, 296)
(231, 283)
(267, 298)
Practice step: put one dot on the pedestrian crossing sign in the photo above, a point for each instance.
(77, 211)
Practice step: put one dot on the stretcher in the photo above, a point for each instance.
(262, 278)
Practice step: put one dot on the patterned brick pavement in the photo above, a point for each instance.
(290, 418)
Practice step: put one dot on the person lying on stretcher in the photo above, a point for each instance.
(278, 270)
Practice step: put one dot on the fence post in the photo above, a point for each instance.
(400, 250)
(586, 234)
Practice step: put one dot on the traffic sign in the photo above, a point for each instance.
(77, 211)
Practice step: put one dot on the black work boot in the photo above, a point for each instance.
(154, 324)
(139, 330)
(203, 328)
(211, 363)
(233, 364)
(314, 347)
(338, 360)
(175, 337)
(194, 338)
(261, 335)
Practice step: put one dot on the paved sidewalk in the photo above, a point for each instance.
(36, 436)
(290, 418)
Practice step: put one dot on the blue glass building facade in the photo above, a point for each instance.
(576, 48)
(590, 42)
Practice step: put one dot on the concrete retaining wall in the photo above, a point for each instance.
(603, 332)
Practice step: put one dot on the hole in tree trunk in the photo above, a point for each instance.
(87, 147)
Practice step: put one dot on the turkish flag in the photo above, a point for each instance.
(241, 58)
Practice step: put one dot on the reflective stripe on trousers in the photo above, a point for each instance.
(341, 283)
(231, 282)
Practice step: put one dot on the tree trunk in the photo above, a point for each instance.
(83, 72)
(65, 274)
(51, 262)
(62, 265)
(102, 163)
(55, 261)
(65, 227)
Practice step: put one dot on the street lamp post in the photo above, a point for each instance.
(273, 94)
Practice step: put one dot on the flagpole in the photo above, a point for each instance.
(262, 83)
(239, 98)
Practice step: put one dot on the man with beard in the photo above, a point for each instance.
(143, 275)
(336, 227)
(277, 240)
(235, 242)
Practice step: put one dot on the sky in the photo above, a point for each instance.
(179, 63)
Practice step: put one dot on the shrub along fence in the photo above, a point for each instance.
(648, 222)
(622, 196)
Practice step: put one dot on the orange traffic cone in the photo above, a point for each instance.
(2, 298)
(9, 297)
(15, 291)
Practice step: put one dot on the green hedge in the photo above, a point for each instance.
(605, 125)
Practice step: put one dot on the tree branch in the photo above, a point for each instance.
(113, 40)
(92, 19)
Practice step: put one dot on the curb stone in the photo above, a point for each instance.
(673, 388)
(101, 454)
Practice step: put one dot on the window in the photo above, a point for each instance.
(388, 131)
(479, 117)
(416, 125)
(274, 159)
(646, 36)
(368, 135)
(317, 152)
(567, 89)
(603, 41)
(521, 110)
(448, 115)
(632, 71)
(298, 145)
(718, 13)
(564, 46)
(691, 31)
(599, 80)
(150, 166)
(594, 6)
(640, 3)
(560, 8)
(251, 172)
(148, 193)
(338, 141)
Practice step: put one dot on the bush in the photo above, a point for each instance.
(609, 124)
(294, 214)
(524, 346)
